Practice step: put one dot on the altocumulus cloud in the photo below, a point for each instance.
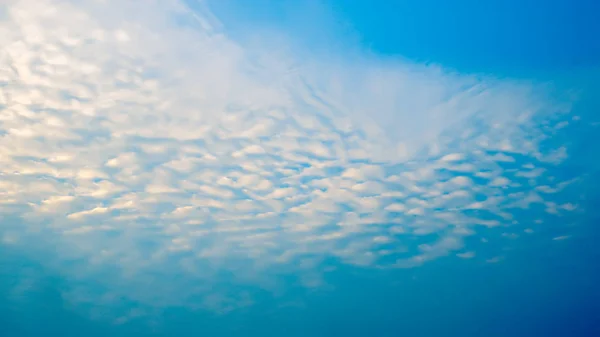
(139, 140)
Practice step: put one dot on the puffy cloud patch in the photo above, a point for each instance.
(139, 138)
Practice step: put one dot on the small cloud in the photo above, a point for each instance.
(466, 255)
(452, 157)
(381, 239)
(10, 238)
(495, 259)
(82, 214)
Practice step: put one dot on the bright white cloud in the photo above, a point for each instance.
(146, 141)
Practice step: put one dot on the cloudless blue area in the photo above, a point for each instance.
(509, 37)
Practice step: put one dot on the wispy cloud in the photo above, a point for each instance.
(138, 137)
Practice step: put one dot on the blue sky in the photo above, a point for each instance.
(513, 37)
(298, 168)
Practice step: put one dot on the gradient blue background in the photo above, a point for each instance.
(513, 37)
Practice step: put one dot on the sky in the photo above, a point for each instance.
(506, 38)
(299, 168)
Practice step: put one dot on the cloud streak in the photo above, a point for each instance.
(139, 138)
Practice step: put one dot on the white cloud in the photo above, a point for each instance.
(82, 214)
(155, 143)
(466, 255)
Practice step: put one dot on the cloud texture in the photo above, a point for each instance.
(138, 141)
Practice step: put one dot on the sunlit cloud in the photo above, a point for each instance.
(138, 137)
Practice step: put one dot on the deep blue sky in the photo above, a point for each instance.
(510, 37)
